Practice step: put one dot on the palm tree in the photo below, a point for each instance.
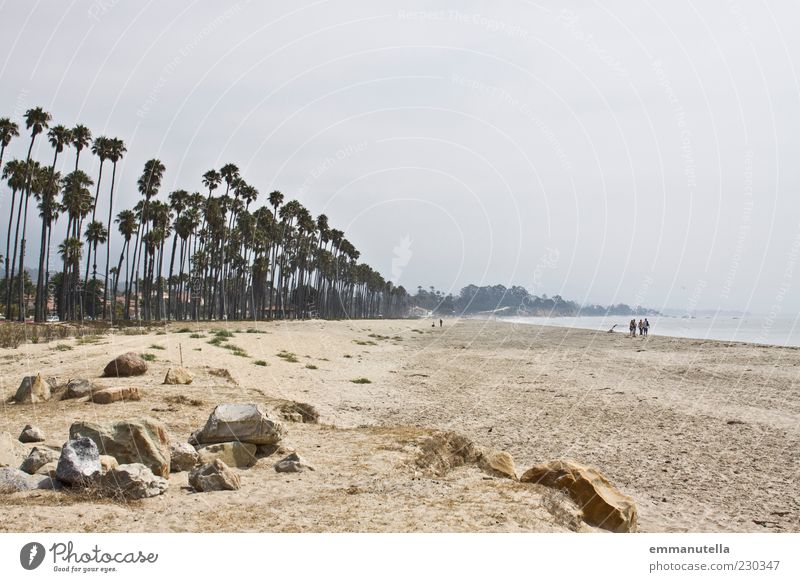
(275, 200)
(116, 150)
(95, 234)
(128, 225)
(36, 120)
(59, 137)
(81, 138)
(70, 252)
(178, 201)
(76, 199)
(8, 131)
(15, 172)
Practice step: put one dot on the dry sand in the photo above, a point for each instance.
(704, 435)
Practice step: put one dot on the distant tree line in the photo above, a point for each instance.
(209, 254)
(513, 301)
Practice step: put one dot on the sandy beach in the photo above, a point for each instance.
(703, 435)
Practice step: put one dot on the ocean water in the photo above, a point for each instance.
(761, 329)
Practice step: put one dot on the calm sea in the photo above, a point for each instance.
(780, 331)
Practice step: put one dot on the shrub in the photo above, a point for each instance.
(260, 363)
(148, 357)
(361, 381)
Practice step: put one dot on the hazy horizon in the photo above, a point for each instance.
(625, 153)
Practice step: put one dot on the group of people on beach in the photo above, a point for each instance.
(644, 327)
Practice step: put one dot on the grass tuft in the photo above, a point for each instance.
(361, 381)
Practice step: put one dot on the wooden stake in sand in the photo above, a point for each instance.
(180, 350)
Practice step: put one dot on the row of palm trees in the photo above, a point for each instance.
(189, 256)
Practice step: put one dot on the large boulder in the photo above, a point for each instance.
(80, 459)
(130, 481)
(233, 454)
(247, 423)
(79, 388)
(12, 452)
(498, 464)
(183, 457)
(118, 394)
(178, 375)
(216, 476)
(31, 434)
(603, 505)
(144, 441)
(293, 463)
(13, 480)
(130, 364)
(38, 458)
(33, 389)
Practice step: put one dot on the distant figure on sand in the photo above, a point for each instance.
(632, 327)
(646, 326)
(641, 327)
(440, 323)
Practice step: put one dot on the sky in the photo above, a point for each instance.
(607, 152)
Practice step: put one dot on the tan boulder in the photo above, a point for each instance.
(33, 389)
(120, 393)
(48, 469)
(216, 476)
(178, 375)
(144, 441)
(603, 505)
(247, 423)
(233, 454)
(38, 458)
(130, 364)
(499, 464)
(107, 463)
(12, 452)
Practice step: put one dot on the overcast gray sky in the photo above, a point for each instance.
(636, 152)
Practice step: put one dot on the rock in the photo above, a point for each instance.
(48, 482)
(499, 464)
(130, 364)
(120, 393)
(31, 434)
(48, 470)
(13, 480)
(233, 454)
(107, 463)
(79, 388)
(183, 457)
(32, 389)
(178, 376)
(38, 458)
(12, 452)
(130, 481)
(80, 459)
(247, 423)
(293, 463)
(215, 476)
(603, 505)
(144, 441)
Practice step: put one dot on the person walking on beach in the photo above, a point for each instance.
(641, 327)
(646, 326)
(440, 323)
(632, 327)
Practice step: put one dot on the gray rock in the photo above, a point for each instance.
(80, 459)
(38, 458)
(12, 452)
(183, 457)
(293, 463)
(216, 476)
(247, 423)
(80, 388)
(13, 480)
(31, 434)
(33, 389)
(131, 481)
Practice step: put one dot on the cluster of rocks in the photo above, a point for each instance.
(133, 459)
